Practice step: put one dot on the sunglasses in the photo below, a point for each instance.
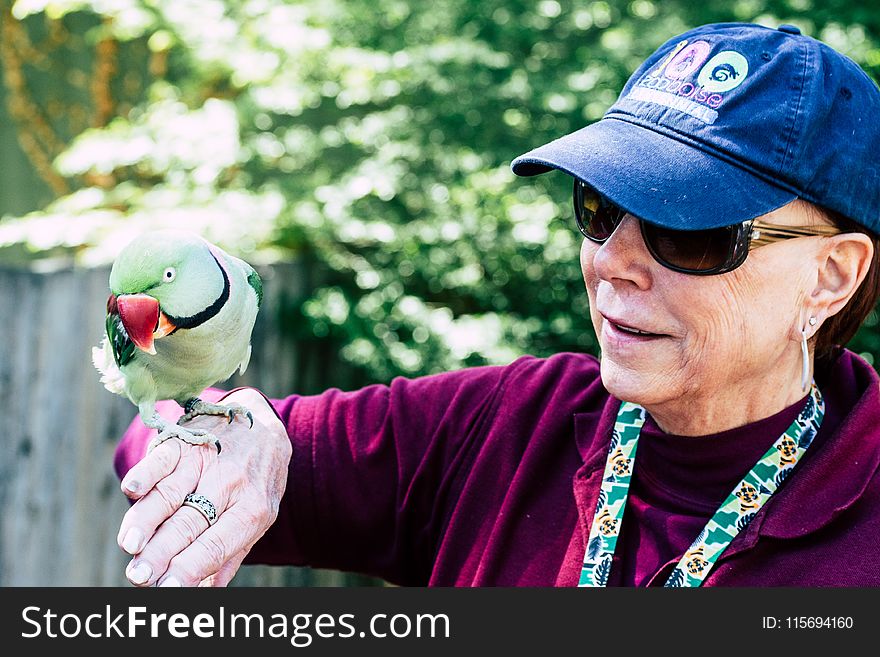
(700, 252)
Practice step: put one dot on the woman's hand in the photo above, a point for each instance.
(172, 544)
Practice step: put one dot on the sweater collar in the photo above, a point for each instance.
(696, 474)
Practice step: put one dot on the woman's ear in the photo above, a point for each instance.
(844, 260)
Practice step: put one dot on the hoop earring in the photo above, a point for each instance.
(805, 370)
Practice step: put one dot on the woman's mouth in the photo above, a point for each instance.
(623, 333)
(634, 331)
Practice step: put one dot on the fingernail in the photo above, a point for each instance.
(132, 486)
(140, 573)
(132, 540)
(171, 580)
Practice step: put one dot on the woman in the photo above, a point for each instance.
(730, 205)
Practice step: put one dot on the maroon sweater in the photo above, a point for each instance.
(489, 476)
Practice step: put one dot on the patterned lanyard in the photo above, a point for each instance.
(737, 511)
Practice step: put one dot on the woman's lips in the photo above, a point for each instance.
(635, 330)
(620, 335)
(622, 332)
(616, 340)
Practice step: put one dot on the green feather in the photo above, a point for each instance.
(257, 283)
(123, 347)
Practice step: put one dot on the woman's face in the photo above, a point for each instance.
(710, 336)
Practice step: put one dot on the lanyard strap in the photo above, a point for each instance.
(734, 514)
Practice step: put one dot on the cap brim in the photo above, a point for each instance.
(657, 177)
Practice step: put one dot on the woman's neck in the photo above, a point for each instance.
(735, 405)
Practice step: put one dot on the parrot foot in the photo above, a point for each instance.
(197, 407)
(191, 436)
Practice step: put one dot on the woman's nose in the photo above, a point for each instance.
(624, 256)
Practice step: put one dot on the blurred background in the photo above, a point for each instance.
(356, 152)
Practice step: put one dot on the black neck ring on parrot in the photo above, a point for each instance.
(208, 313)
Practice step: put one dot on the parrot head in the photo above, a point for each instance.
(161, 282)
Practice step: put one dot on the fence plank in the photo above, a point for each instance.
(60, 497)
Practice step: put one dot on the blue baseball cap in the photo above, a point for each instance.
(728, 122)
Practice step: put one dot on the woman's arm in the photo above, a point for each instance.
(366, 490)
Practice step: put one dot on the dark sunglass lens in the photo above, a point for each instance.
(691, 250)
(597, 217)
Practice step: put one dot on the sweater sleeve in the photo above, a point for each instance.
(373, 474)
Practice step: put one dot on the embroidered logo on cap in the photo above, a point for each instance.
(687, 60)
(672, 83)
(725, 71)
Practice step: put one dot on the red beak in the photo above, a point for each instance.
(140, 317)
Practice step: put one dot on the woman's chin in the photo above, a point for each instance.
(648, 383)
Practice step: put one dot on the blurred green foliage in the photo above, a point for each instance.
(375, 137)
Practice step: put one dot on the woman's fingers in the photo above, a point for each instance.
(233, 533)
(166, 475)
(180, 524)
(141, 521)
(184, 527)
(146, 568)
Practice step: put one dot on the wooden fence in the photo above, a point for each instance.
(60, 504)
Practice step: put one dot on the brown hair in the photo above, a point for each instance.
(840, 328)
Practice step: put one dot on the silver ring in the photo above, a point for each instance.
(203, 505)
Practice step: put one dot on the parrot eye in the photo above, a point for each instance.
(169, 275)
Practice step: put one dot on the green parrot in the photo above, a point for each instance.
(179, 319)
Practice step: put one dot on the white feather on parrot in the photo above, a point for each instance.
(179, 319)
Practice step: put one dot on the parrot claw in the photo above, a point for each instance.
(233, 411)
(237, 409)
(196, 407)
(191, 436)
